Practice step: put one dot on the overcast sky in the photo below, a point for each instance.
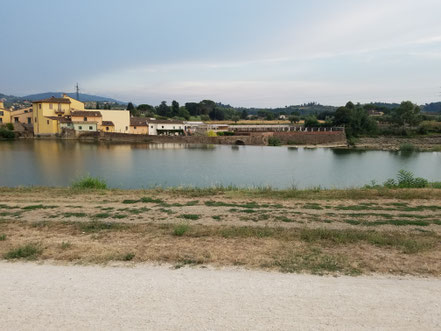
(241, 52)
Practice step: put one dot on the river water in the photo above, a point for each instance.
(58, 163)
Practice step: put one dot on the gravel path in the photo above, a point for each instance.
(48, 297)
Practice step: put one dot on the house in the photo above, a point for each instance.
(50, 117)
(107, 126)
(23, 116)
(139, 125)
(5, 114)
(166, 128)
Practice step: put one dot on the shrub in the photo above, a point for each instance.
(10, 126)
(6, 134)
(408, 148)
(406, 179)
(89, 182)
(180, 229)
(29, 251)
(274, 141)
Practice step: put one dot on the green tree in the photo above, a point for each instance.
(294, 119)
(244, 114)
(311, 122)
(146, 110)
(174, 108)
(183, 113)
(163, 109)
(130, 107)
(406, 114)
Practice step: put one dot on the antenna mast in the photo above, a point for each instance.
(77, 89)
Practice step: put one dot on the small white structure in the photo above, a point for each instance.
(166, 128)
(85, 126)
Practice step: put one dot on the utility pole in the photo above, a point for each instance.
(77, 89)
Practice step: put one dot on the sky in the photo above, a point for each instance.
(251, 53)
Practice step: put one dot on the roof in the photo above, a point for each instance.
(165, 122)
(84, 113)
(107, 123)
(138, 121)
(59, 119)
(53, 100)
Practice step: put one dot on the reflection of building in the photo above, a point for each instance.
(53, 114)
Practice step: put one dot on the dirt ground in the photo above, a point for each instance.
(49, 297)
(320, 233)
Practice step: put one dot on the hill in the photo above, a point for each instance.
(83, 97)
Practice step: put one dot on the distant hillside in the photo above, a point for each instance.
(434, 107)
(83, 97)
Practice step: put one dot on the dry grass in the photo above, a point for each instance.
(336, 232)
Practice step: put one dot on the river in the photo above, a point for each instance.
(58, 163)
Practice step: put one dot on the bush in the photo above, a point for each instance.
(29, 251)
(10, 126)
(408, 148)
(406, 179)
(180, 229)
(6, 134)
(89, 182)
(274, 141)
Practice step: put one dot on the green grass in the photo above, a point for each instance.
(193, 217)
(34, 207)
(29, 252)
(89, 183)
(96, 226)
(2, 237)
(180, 229)
(102, 215)
(315, 206)
(151, 200)
(128, 257)
(217, 217)
(127, 202)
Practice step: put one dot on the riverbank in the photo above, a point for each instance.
(336, 232)
(423, 143)
(54, 297)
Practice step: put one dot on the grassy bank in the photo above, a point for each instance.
(357, 231)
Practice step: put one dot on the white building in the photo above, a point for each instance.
(166, 128)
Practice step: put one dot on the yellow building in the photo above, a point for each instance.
(50, 113)
(5, 114)
(139, 125)
(23, 116)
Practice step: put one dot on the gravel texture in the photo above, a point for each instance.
(49, 297)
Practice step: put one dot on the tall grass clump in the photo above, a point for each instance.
(89, 183)
(408, 148)
(29, 251)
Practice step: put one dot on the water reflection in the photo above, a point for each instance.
(145, 165)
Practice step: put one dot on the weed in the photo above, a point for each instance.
(151, 200)
(180, 229)
(89, 183)
(127, 202)
(102, 215)
(128, 257)
(29, 252)
(190, 216)
(2, 237)
(96, 226)
(34, 207)
(65, 245)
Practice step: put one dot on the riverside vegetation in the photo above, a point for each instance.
(376, 229)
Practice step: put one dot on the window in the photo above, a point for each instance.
(90, 128)
(127, 128)
(1, 120)
(26, 111)
(59, 106)
(163, 126)
(85, 119)
(80, 128)
(1, 113)
(107, 128)
(134, 127)
(151, 127)
(29, 120)
(173, 128)
(51, 106)
(39, 106)
(35, 120)
(16, 119)
(47, 122)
